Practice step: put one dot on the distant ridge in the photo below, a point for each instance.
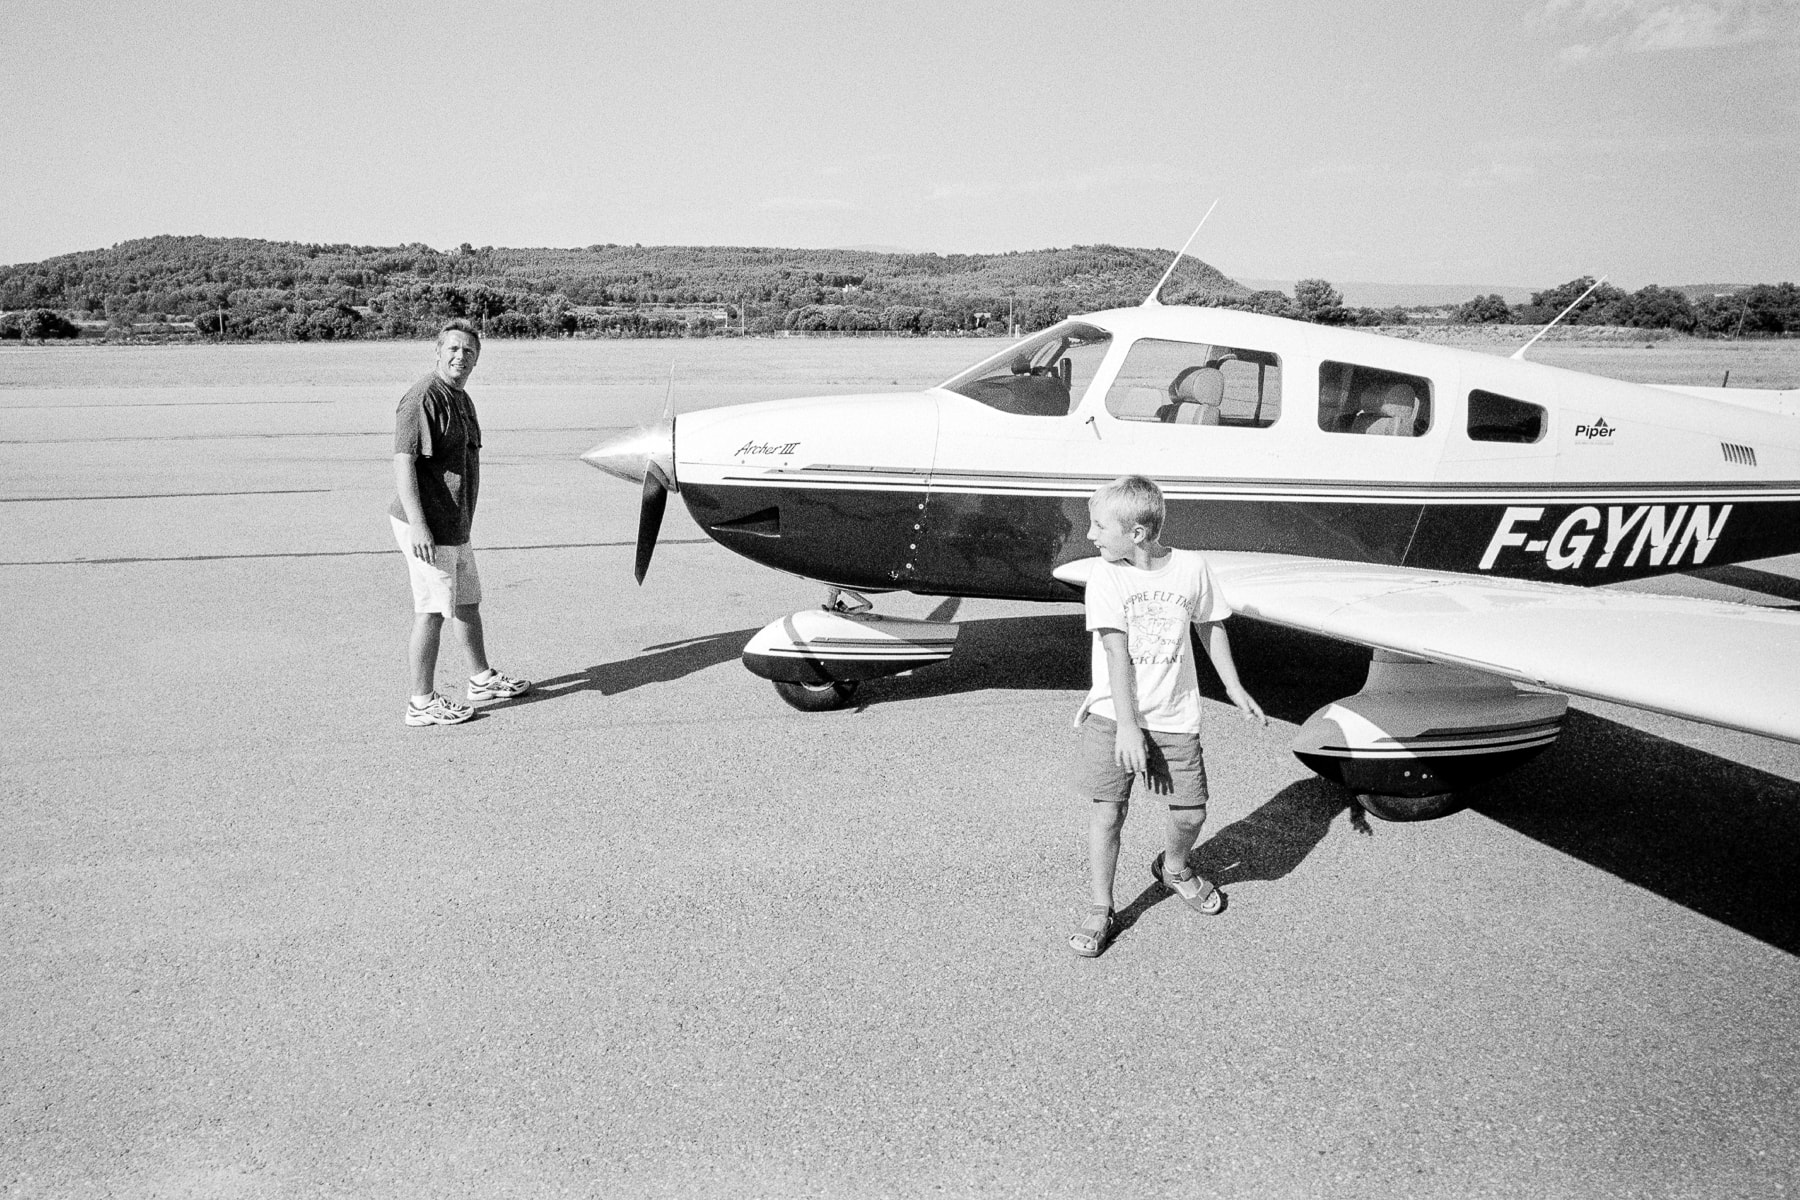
(260, 288)
(249, 288)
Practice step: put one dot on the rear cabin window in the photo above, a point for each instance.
(1193, 383)
(1497, 418)
(1042, 376)
(1370, 401)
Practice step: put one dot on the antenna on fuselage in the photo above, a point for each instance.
(1520, 352)
(1151, 300)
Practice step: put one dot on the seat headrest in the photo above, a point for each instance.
(1201, 385)
(1394, 395)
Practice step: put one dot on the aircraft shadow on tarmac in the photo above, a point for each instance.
(1781, 587)
(1710, 834)
(1702, 831)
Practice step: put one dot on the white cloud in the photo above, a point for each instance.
(805, 204)
(1612, 27)
(1120, 176)
(1497, 173)
(858, 166)
(964, 191)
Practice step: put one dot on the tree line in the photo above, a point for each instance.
(251, 289)
(1766, 308)
(254, 289)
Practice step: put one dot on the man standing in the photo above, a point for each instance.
(437, 473)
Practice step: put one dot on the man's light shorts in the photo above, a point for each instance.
(441, 586)
(1177, 767)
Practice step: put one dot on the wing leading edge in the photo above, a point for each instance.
(1733, 665)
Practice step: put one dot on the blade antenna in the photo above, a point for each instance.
(1151, 301)
(1519, 354)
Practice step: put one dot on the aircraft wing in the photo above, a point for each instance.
(1734, 665)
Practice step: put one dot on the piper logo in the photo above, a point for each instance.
(1599, 429)
(1654, 531)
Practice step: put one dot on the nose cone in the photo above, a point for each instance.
(630, 455)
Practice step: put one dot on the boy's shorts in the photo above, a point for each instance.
(444, 585)
(1177, 767)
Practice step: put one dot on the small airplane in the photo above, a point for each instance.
(1450, 510)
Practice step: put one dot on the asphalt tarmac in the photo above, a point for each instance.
(650, 932)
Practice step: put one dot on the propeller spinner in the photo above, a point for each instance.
(646, 455)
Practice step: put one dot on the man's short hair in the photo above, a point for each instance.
(459, 325)
(1135, 500)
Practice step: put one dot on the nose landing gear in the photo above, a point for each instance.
(817, 656)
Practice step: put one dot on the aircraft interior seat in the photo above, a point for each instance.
(1389, 411)
(1139, 404)
(1198, 393)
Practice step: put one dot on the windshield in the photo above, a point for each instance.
(1041, 376)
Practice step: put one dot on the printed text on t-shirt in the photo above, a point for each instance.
(1155, 624)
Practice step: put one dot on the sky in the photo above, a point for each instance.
(1514, 142)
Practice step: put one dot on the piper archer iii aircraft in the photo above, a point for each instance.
(1449, 509)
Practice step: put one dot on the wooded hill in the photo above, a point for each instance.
(248, 288)
(244, 288)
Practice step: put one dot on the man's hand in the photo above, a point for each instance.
(424, 546)
(1128, 750)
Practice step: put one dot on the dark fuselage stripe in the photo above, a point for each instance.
(1301, 491)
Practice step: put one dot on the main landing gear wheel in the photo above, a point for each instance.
(817, 697)
(1408, 808)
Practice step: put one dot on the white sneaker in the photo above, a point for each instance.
(439, 710)
(498, 687)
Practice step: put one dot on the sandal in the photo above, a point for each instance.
(1095, 932)
(1195, 892)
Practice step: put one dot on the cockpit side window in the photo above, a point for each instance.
(1042, 376)
(1368, 400)
(1497, 418)
(1193, 383)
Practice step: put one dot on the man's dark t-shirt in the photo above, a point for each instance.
(436, 422)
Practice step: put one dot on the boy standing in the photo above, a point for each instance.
(1141, 718)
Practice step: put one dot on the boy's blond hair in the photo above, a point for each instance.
(1135, 500)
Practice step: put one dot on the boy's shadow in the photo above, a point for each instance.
(1264, 845)
(661, 663)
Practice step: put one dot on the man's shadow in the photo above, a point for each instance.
(661, 663)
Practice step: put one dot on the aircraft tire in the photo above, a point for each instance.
(1409, 808)
(820, 697)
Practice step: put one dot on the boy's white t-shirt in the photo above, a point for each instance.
(1154, 609)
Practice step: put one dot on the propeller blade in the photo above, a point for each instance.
(650, 515)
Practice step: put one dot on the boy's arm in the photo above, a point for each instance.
(1218, 648)
(1128, 745)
